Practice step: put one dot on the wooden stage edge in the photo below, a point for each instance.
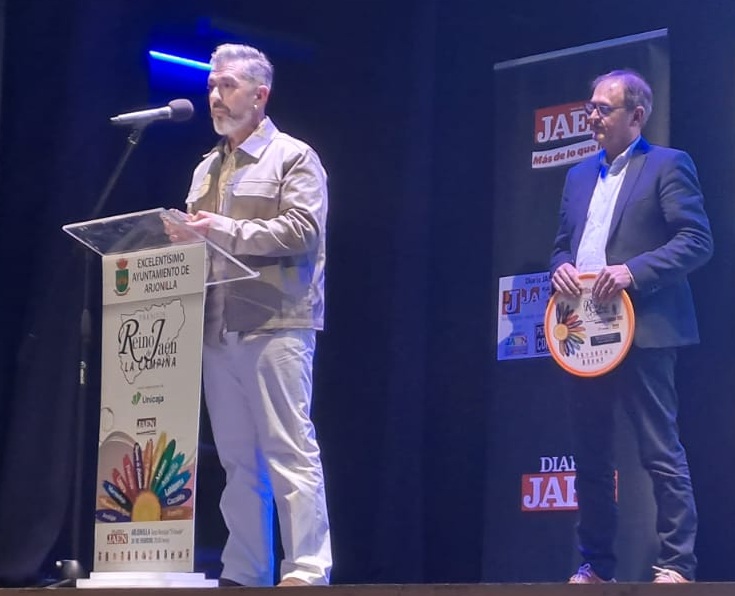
(560, 589)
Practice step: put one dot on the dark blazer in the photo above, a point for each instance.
(659, 230)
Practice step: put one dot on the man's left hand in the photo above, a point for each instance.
(610, 281)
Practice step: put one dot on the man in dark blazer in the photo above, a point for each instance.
(634, 215)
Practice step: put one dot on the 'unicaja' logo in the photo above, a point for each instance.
(136, 398)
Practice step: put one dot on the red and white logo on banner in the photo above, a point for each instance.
(552, 487)
(556, 126)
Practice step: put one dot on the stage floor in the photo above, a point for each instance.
(620, 589)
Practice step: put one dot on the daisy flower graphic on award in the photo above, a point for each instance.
(144, 483)
(568, 331)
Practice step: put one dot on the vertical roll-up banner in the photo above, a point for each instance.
(541, 130)
(152, 325)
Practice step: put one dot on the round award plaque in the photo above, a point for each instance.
(587, 338)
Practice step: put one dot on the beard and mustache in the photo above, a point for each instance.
(227, 123)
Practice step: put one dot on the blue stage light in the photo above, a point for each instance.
(179, 60)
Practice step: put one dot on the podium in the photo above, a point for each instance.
(155, 272)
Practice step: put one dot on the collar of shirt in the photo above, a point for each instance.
(254, 145)
(619, 162)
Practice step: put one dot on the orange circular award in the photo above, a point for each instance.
(588, 338)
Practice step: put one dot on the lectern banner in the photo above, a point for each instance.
(153, 308)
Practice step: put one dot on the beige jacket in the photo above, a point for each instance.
(272, 216)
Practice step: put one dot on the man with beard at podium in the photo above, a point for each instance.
(262, 195)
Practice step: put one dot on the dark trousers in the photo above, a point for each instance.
(644, 384)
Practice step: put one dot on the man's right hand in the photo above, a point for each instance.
(566, 280)
(175, 229)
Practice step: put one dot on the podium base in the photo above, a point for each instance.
(145, 579)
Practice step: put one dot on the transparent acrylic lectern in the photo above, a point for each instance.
(149, 378)
(130, 232)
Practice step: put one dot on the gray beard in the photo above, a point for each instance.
(226, 126)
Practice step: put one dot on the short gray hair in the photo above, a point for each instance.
(637, 92)
(256, 66)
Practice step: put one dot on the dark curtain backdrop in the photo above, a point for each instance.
(397, 97)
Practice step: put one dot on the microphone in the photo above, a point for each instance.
(177, 110)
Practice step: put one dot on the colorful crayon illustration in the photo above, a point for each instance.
(150, 485)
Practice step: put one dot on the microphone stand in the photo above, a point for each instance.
(72, 569)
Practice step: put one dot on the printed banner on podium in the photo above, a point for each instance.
(153, 308)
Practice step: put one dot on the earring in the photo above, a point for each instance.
(255, 106)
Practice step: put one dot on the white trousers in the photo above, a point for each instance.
(258, 395)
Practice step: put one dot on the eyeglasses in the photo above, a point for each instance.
(602, 109)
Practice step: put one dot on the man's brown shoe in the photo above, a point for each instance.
(228, 583)
(668, 576)
(585, 575)
(292, 582)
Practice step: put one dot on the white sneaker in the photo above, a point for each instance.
(668, 576)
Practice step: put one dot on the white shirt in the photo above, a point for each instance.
(591, 253)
